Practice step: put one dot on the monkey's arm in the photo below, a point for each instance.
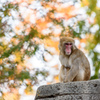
(73, 71)
(63, 73)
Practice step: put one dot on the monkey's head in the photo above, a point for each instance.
(67, 45)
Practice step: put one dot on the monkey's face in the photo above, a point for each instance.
(67, 45)
(68, 48)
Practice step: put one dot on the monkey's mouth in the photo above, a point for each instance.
(68, 50)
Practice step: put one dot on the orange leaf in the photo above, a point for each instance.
(51, 43)
(56, 78)
(83, 40)
(0, 61)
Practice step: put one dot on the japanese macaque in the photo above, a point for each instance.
(75, 65)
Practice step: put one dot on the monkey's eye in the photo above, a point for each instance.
(68, 43)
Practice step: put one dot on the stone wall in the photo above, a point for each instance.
(83, 90)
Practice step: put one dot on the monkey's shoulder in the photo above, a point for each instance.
(78, 54)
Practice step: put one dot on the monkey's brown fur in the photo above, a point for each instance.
(75, 67)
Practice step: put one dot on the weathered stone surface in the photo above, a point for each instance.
(83, 90)
(74, 97)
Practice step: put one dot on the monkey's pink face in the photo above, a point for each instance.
(68, 48)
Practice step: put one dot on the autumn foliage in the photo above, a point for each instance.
(29, 38)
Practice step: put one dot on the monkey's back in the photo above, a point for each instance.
(84, 65)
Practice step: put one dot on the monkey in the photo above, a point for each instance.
(74, 64)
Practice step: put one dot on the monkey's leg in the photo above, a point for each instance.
(80, 76)
(72, 74)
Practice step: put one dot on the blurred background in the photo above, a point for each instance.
(29, 38)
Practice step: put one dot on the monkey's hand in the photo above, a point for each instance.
(67, 67)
